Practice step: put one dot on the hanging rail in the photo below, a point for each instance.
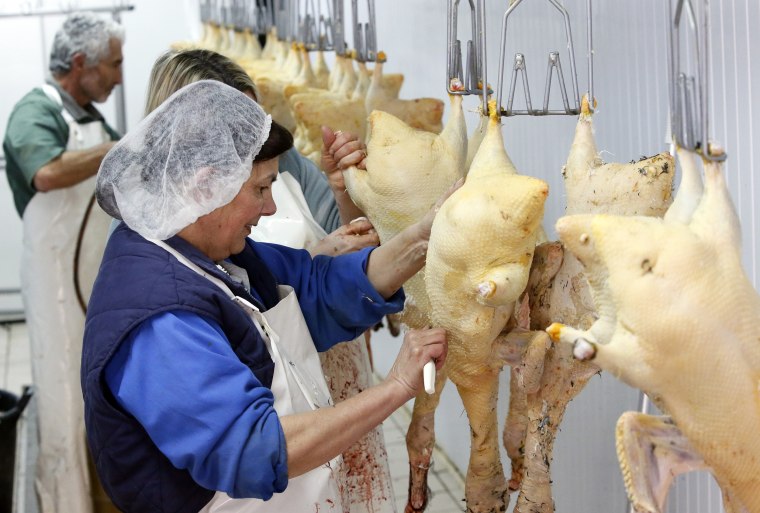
(56, 12)
(689, 94)
(554, 67)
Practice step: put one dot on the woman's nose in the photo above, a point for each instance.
(269, 207)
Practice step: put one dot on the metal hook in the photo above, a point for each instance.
(470, 79)
(519, 67)
(338, 28)
(365, 36)
(689, 94)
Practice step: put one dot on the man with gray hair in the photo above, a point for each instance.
(54, 143)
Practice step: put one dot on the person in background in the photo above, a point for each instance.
(202, 386)
(54, 143)
(313, 212)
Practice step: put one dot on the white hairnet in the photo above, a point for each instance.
(86, 33)
(189, 157)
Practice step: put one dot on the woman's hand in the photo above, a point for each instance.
(419, 347)
(314, 437)
(340, 151)
(350, 237)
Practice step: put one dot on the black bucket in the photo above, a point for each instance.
(11, 408)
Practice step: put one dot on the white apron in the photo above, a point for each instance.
(55, 322)
(298, 385)
(365, 475)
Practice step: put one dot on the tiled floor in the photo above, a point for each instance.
(15, 369)
(15, 372)
(445, 482)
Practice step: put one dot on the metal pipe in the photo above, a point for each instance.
(590, 41)
(451, 30)
(570, 50)
(119, 98)
(58, 12)
(371, 31)
(481, 36)
(502, 53)
(339, 28)
(355, 25)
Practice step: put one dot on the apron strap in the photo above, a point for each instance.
(52, 93)
(195, 267)
(260, 320)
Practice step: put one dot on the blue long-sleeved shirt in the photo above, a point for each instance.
(206, 411)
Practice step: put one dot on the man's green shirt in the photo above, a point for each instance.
(36, 134)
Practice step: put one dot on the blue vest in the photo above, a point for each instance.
(137, 280)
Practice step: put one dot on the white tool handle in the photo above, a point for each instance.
(428, 377)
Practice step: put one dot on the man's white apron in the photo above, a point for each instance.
(298, 385)
(365, 474)
(55, 322)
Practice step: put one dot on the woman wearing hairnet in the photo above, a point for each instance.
(202, 385)
(314, 212)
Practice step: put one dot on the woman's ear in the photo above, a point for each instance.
(201, 187)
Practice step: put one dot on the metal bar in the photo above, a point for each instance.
(471, 75)
(548, 85)
(590, 42)
(371, 32)
(119, 96)
(472, 42)
(365, 34)
(520, 68)
(483, 79)
(690, 95)
(512, 85)
(355, 25)
(554, 64)
(339, 27)
(57, 12)
(706, 89)
(44, 48)
(672, 63)
(465, 79)
(451, 42)
(570, 50)
(502, 53)
(563, 89)
(538, 112)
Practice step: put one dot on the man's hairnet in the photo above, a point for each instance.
(86, 33)
(187, 158)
